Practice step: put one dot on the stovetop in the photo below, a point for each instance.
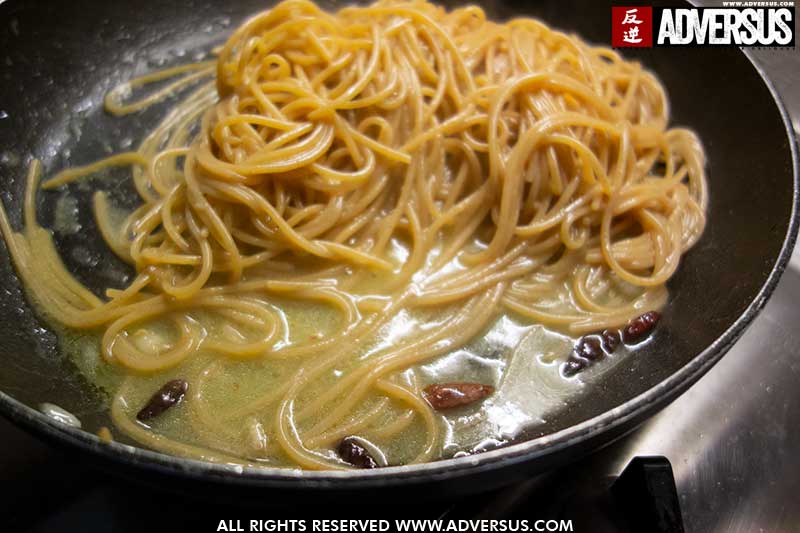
(733, 440)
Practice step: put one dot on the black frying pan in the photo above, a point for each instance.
(57, 59)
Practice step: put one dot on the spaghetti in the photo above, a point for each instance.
(382, 161)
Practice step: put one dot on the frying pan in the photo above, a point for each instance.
(57, 59)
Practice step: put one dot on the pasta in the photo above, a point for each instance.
(384, 161)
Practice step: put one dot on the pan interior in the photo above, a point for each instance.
(60, 58)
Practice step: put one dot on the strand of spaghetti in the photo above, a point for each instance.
(113, 100)
(72, 174)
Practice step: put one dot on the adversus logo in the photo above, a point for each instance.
(727, 26)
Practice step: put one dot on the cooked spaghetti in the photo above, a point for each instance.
(330, 174)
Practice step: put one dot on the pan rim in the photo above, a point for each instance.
(654, 398)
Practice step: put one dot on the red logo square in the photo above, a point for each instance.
(632, 26)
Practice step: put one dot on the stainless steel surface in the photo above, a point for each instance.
(734, 437)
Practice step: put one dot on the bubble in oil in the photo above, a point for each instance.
(9, 158)
(84, 256)
(66, 215)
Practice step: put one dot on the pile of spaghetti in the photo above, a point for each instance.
(382, 159)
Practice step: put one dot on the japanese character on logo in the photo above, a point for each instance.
(632, 35)
(632, 26)
(630, 17)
